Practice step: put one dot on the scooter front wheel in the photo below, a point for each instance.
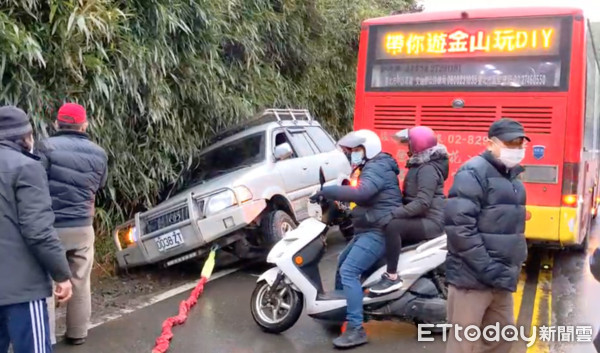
(277, 311)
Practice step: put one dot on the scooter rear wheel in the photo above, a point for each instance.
(279, 312)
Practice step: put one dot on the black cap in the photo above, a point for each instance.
(13, 123)
(506, 130)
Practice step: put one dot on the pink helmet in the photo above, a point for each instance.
(419, 138)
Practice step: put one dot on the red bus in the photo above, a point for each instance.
(458, 71)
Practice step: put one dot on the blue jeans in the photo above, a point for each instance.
(362, 253)
(26, 326)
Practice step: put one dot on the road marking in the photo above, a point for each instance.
(518, 295)
(160, 297)
(542, 306)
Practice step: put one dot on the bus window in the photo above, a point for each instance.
(590, 138)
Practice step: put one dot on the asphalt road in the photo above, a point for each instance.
(556, 289)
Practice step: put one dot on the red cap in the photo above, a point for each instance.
(72, 113)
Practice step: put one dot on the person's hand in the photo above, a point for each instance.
(63, 291)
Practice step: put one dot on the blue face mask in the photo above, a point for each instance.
(356, 157)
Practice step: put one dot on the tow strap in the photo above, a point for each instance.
(162, 342)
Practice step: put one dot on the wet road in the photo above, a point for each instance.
(556, 289)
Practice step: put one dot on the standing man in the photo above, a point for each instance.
(77, 169)
(30, 251)
(485, 223)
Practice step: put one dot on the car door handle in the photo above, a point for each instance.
(304, 168)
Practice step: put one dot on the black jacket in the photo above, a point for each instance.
(30, 251)
(423, 191)
(77, 169)
(376, 195)
(485, 223)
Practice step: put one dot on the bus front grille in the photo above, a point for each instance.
(394, 117)
(446, 118)
(535, 119)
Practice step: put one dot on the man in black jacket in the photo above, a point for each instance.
(77, 169)
(485, 223)
(30, 251)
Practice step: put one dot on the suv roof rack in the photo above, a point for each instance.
(290, 114)
(266, 116)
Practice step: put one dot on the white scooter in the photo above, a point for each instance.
(282, 291)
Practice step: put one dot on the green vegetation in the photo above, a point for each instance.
(160, 77)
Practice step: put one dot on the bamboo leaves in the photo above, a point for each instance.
(161, 77)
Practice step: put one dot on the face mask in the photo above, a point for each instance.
(356, 157)
(511, 157)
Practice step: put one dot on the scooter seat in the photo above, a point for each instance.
(381, 262)
(412, 246)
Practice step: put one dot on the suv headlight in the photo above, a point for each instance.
(220, 201)
(127, 235)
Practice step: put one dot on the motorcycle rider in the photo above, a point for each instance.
(376, 195)
(421, 217)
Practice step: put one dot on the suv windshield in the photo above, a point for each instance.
(237, 154)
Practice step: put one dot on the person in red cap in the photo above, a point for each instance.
(77, 169)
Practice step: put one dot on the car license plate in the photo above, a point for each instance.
(169, 241)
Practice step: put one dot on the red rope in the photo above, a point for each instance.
(162, 342)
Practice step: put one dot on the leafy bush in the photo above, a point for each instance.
(160, 77)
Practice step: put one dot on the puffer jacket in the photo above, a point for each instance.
(30, 251)
(77, 169)
(423, 191)
(485, 224)
(376, 195)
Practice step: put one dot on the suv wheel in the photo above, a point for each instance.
(275, 225)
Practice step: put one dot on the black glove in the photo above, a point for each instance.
(318, 197)
(385, 220)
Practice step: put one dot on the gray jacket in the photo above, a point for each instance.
(77, 169)
(30, 250)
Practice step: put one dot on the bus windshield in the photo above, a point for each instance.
(517, 54)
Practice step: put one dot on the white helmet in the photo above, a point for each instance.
(369, 140)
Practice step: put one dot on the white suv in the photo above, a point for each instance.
(249, 188)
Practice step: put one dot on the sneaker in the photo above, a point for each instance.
(386, 285)
(75, 341)
(352, 337)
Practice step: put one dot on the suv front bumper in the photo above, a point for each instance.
(198, 235)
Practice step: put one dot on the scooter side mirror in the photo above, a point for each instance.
(321, 177)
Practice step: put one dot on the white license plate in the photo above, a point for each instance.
(169, 241)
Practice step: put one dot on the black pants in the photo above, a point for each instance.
(406, 231)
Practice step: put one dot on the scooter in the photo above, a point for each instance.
(282, 291)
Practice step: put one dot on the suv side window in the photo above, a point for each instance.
(301, 143)
(321, 139)
(281, 138)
